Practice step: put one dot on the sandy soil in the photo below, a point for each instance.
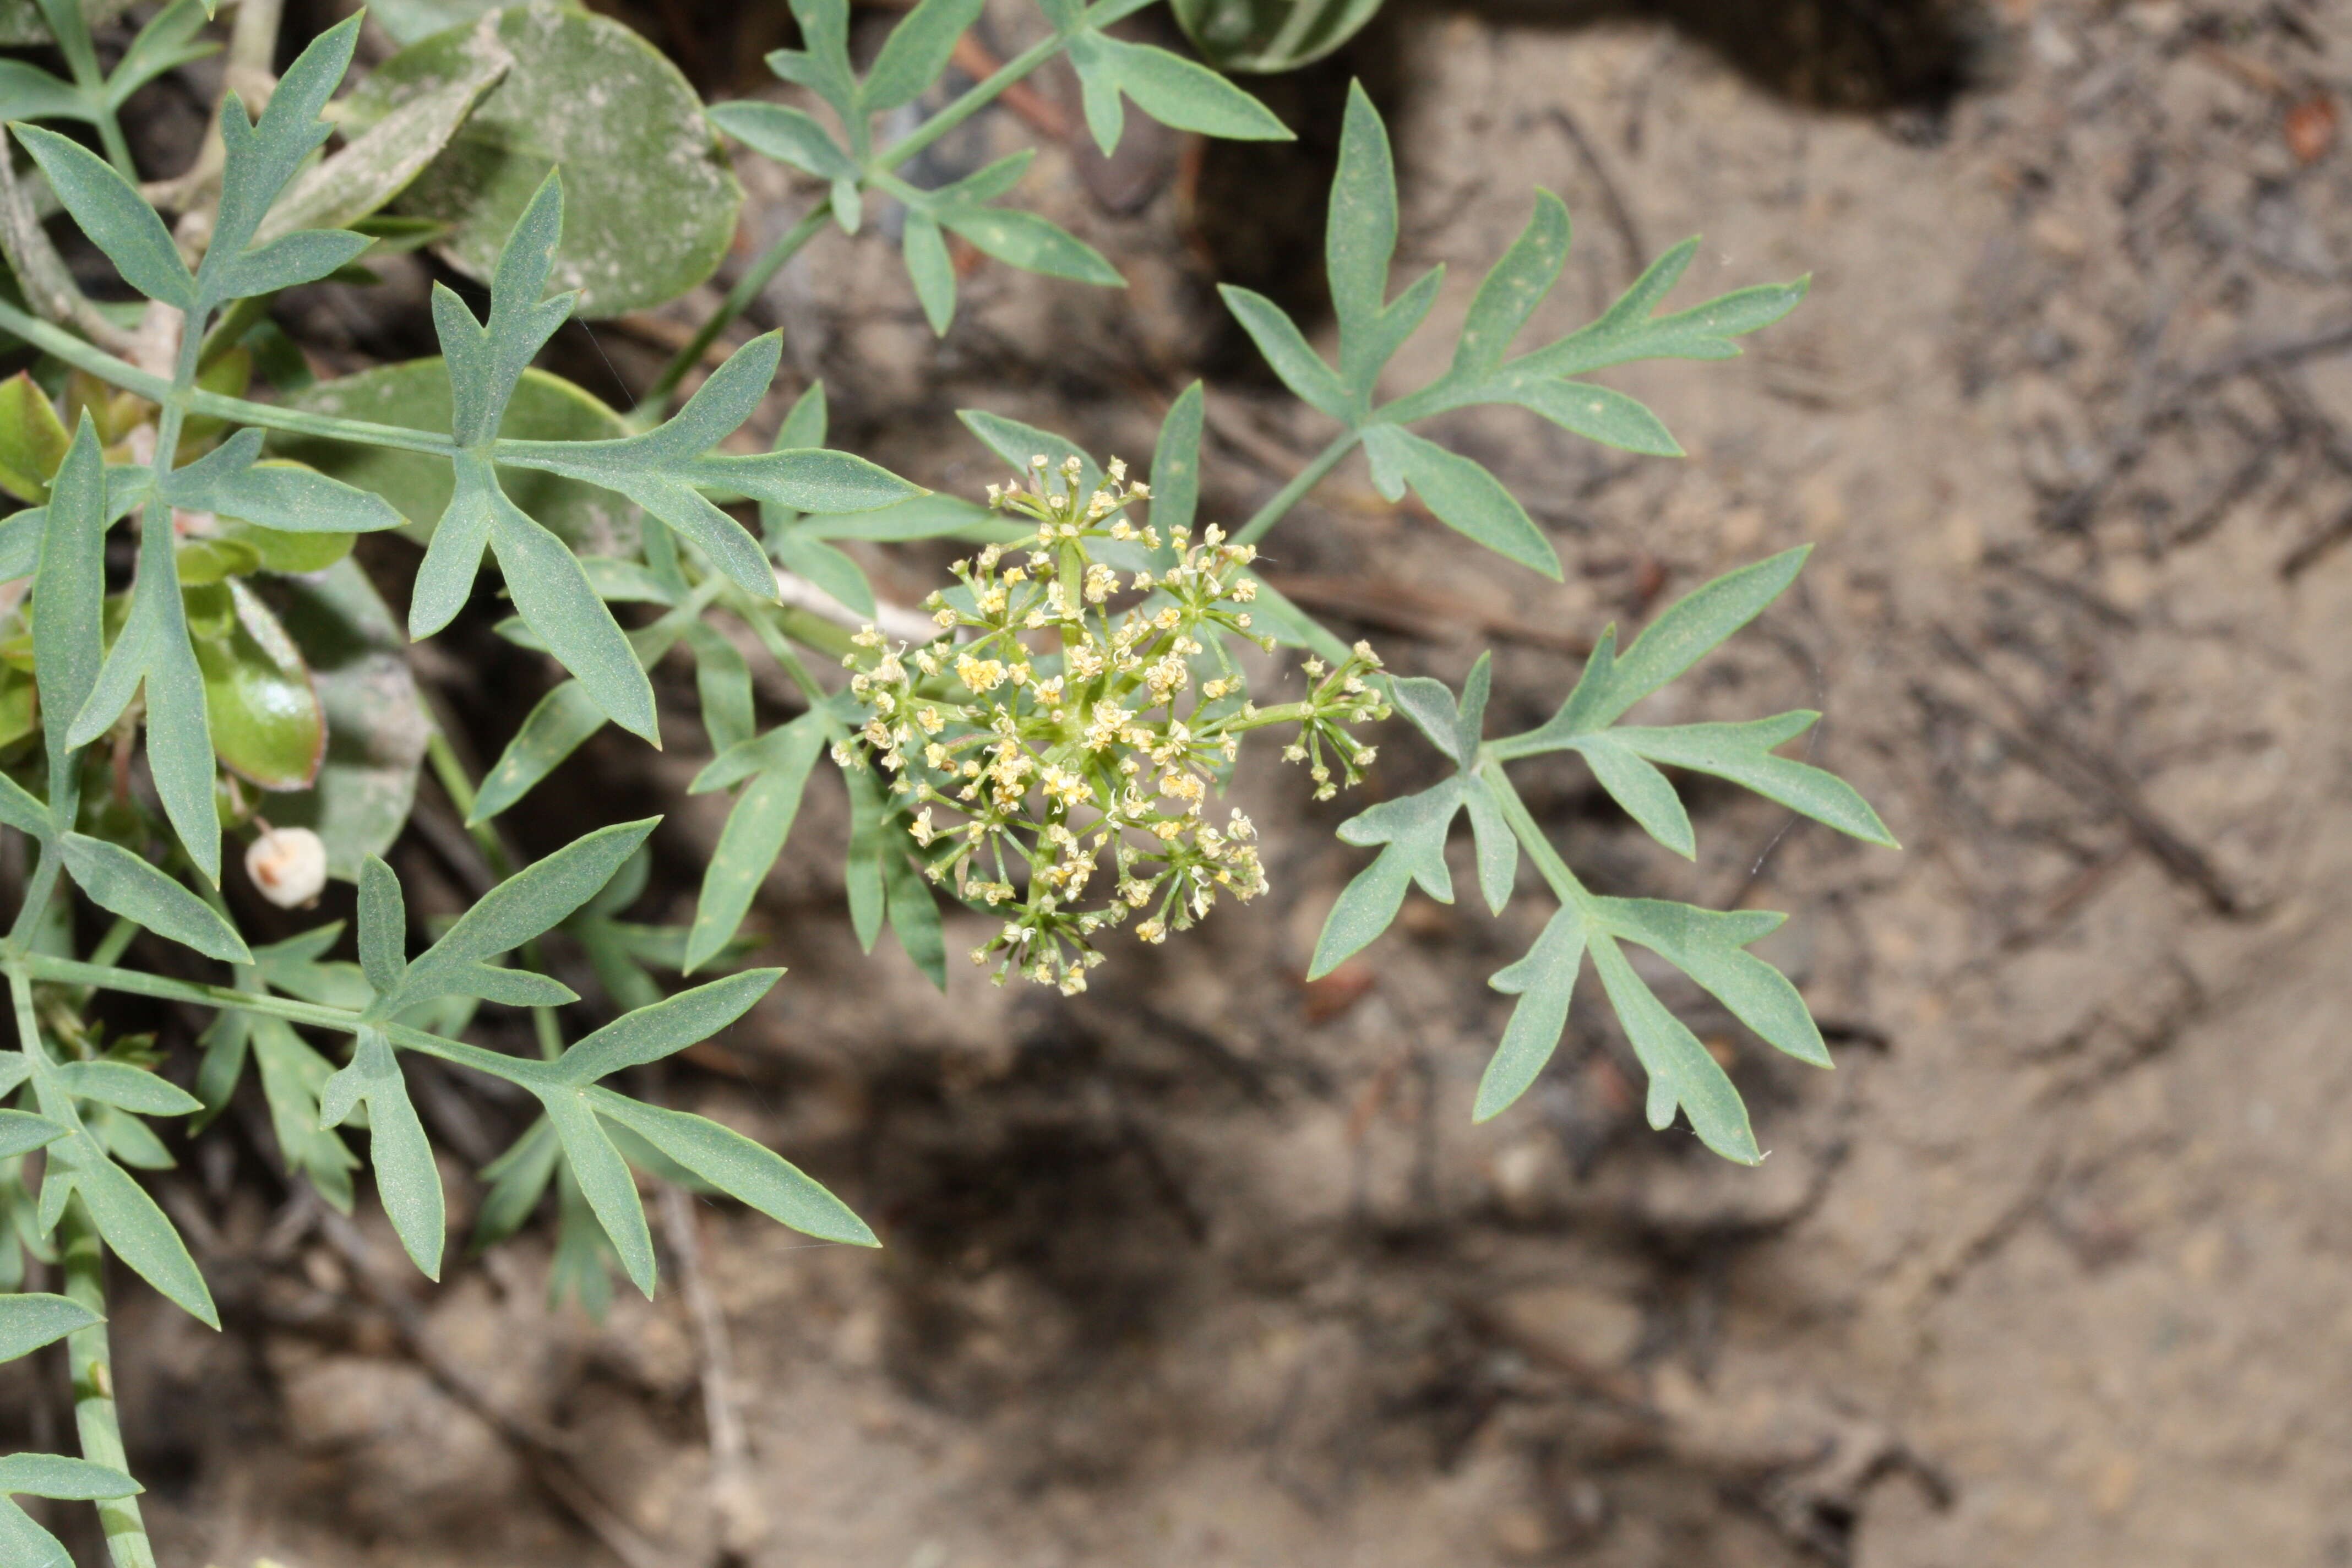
(1212, 1269)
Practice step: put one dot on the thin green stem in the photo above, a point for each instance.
(90, 1360)
(72, 33)
(1531, 836)
(655, 401)
(56, 340)
(979, 96)
(654, 404)
(1291, 494)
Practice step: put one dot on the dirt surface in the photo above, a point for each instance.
(1207, 1268)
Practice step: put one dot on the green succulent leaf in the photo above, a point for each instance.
(1271, 34)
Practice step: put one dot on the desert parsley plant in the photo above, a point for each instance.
(1043, 741)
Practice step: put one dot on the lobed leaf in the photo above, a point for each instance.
(650, 1033)
(915, 54)
(114, 215)
(740, 1168)
(121, 883)
(406, 1179)
(1544, 980)
(1683, 1073)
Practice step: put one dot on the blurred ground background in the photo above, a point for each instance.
(1210, 1268)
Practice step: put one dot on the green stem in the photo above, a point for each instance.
(1291, 494)
(62, 344)
(654, 404)
(979, 96)
(71, 30)
(655, 401)
(90, 1359)
(1531, 836)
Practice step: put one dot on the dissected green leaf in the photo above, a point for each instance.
(1412, 828)
(114, 215)
(69, 1480)
(415, 396)
(1711, 948)
(604, 1181)
(1743, 753)
(915, 54)
(128, 1220)
(1032, 243)
(406, 1179)
(1286, 348)
(1681, 635)
(650, 1033)
(787, 135)
(739, 1167)
(293, 1074)
(121, 882)
(754, 836)
(533, 900)
(1463, 495)
(31, 1320)
(1544, 980)
(126, 1088)
(258, 157)
(1682, 1072)
(1513, 287)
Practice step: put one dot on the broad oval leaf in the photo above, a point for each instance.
(652, 205)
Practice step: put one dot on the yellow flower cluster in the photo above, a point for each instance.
(1077, 708)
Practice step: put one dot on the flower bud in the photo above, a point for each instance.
(288, 865)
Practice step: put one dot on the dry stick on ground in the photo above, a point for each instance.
(742, 1523)
(1620, 216)
(2071, 765)
(547, 1452)
(2130, 447)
